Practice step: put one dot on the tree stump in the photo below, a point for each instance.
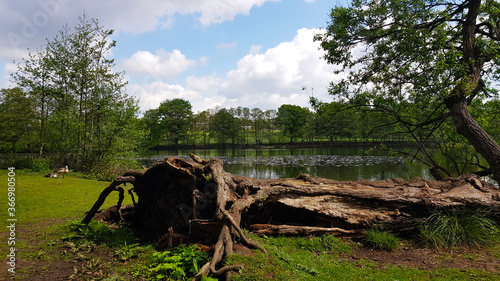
(199, 199)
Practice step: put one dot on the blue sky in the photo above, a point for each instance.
(225, 53)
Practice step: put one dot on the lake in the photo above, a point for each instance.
(340, 163)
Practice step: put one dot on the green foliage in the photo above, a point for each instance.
(169, 122)
(208, 178)
(179, 264)
(414, 70)
(458, 228)
(40, 165)
(17, 121)
(224, 127)
(114, 168)
(381, 240)
(293, 119)
(94, 231)
(79, 108)
(127, 252)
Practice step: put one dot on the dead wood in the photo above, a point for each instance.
(205, 203)
(296, 230)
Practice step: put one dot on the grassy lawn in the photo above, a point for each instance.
(39, 198)
(51, 245)
(330, 258)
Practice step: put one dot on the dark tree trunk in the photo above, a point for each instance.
(468, 127)
(467, 89)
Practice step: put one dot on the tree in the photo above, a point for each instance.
(258, 122)
(224, 127)
(83, 112)
(270, 123)
(437, 55)
(17, 121)
(334, 121)
(293, 119)
(200, 127)
(171, 121)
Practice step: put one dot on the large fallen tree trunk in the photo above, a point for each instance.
(199, 199)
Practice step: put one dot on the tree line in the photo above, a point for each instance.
(174, 123)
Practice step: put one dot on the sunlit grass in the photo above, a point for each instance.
(381, 240)
(39, 198)
(307, 259)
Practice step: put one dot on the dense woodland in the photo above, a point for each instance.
(70, 105)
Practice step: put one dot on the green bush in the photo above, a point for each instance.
(113, 169)
(381, 240)
(40, 165)
(458, 228)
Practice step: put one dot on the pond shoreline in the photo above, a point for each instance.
(289, 145)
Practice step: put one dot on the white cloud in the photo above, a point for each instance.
(254, 49)
(223, 10)
(277, 76)
(162, 64)
(203, 84)
(31, 18)
(227, 45)
(26, 23)
(151, 95)
(264, 80)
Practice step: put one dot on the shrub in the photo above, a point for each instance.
(381, 240)
(458, 228)
(40, 165)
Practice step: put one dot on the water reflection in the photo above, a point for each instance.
(341, 163)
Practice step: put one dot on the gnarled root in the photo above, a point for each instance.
(114, 186)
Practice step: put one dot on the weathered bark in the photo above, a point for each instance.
(467, 89)
(467, 126)
(202, 201)
(295, 230)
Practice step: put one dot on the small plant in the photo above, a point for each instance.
(181, 264)
(208, 178)
(94, 231)
(128, 252)
(458, 228)
(381, 240)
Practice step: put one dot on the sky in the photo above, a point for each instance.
(213, 53)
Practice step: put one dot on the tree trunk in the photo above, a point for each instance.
(205, 203)
(468, 127)
(467, 89)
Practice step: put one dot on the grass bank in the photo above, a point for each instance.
(52, 246)
(39, 198)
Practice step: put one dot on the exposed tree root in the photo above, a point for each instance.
(199, 199)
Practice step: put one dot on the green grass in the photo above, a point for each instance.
(381, 240)
(302, 259)
(39, 198)
(458, 228)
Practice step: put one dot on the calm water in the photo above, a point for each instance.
(342, 163)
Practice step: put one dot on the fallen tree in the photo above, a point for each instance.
(201, 201)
